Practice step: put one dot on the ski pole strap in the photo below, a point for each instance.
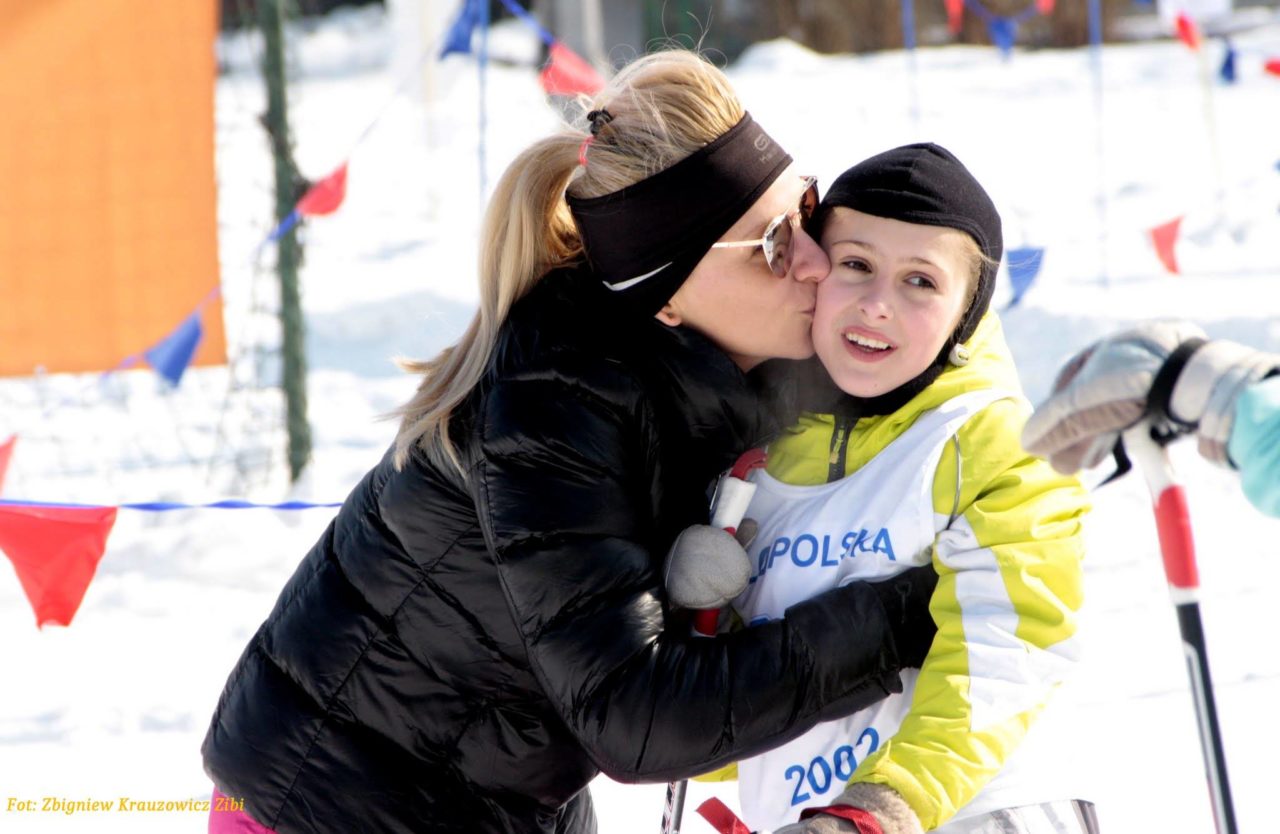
(865, 821)
(721, 818)
(1162, 387)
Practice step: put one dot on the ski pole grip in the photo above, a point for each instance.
(732, 500)
(733, 496)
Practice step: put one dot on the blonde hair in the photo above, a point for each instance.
(665, 106)
(977, 261)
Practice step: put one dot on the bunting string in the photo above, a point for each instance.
(167, 506)
(55, 548)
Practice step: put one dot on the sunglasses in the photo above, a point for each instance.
(778, 235)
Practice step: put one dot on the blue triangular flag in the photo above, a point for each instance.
(459, 37)
(1228, 70)
(1003, 32)
(171, 356)
(1024, 266)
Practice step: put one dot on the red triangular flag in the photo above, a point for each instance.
(567, 74)
(1164, 237)
(1272, 66)
(1188, 32)
(1045, 7)
(6, 452)
(325, 196)
(955, 15)
(55, 551)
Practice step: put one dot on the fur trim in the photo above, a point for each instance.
(890, 809)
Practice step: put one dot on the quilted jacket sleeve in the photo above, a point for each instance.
(562, 479)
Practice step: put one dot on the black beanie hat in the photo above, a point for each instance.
(925, 183)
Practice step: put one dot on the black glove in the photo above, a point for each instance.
(905, 598)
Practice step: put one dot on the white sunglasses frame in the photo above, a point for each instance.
(766, 241)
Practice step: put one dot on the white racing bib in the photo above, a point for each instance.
(871, 525)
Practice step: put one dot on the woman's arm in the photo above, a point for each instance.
(563, 483)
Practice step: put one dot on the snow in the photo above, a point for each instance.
(116, 705)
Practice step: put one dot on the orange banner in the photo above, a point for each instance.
(108, 214)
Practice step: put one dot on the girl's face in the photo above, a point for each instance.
(734, 299)
(894, 296)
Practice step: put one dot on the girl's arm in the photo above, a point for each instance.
(1010, 587)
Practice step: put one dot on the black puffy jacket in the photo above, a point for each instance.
(466, 655)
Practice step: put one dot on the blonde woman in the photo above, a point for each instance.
(483, 628)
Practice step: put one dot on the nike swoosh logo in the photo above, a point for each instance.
(631, 282)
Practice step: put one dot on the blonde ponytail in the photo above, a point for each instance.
(664, 107)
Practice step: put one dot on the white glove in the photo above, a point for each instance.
(707, 567)
(1107, 387)
(883, 804)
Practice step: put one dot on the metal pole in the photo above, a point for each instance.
(593, 35)
(913, 73)
(482, 64)
(288, 251)
(1095, 60)
(1177, 547)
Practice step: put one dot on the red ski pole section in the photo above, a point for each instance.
(705, 622)
(748, 460)
(1176, 543)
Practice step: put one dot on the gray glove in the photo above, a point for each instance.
(1108, 387)
(707, 567)
(890, 811)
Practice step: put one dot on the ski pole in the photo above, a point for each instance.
(728, 507)
(1177, 547)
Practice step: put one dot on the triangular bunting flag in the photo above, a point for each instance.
(1227, 72)
(6, 454)
(567, 74)
(55, 551)
(325, 196)
(955, 15)
(1164, 237)
(171, 356)
(1188, 32)
(1045, 7)
(1003, 32)
(459, 37)
(1024, 266)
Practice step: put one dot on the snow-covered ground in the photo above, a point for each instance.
(117, 704)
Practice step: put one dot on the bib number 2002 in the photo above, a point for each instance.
(821, 774)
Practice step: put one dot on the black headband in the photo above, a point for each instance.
(644, 240)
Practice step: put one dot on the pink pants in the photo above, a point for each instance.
(226, 818)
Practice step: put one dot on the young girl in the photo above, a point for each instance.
(916, 460)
